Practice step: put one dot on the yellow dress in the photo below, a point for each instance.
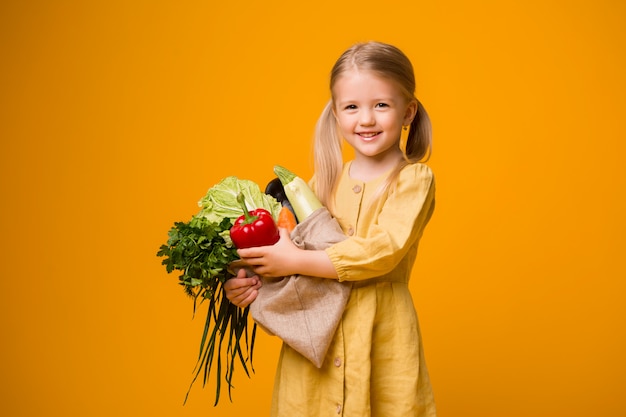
(375, 365)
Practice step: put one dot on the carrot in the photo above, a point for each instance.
(286, 219)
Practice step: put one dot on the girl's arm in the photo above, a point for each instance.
(398, 226)
(285, 259)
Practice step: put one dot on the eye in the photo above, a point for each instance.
(350, 107)
(382, 105)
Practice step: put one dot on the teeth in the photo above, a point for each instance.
(368, 135)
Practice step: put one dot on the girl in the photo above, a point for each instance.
(382, 199)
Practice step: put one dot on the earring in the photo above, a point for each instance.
(404, 137)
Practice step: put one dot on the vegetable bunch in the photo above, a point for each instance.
(201, 250)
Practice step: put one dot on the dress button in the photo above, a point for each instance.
(356, 189)
(350, 231)
(339, 408)
(337, 362)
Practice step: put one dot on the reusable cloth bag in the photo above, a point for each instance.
(305, 311)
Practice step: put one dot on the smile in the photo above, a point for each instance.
(368, 135)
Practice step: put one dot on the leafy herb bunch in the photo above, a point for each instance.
(202, 251)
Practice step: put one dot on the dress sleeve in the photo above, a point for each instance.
(401, 220)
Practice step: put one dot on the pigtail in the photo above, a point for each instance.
(327, 154)
(419, 142)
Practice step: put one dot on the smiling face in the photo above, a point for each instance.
(370, 111)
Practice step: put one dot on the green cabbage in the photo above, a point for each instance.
(221, 200)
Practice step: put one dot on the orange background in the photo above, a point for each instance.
(117, 116)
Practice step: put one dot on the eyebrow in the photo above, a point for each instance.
(377, 100)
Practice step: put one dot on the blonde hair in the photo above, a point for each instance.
(385, 61)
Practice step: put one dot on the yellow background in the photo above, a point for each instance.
(117, 116)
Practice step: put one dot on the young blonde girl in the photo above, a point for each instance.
(383, 200)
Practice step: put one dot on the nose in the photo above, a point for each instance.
(366, 117)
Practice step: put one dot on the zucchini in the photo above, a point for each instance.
(300, 195)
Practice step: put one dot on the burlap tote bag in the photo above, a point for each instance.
(305, 311)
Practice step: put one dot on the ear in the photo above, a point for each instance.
(411, 111)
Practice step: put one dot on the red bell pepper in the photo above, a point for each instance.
(253, 228)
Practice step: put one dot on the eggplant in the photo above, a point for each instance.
(275, 189)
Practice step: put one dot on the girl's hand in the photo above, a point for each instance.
(273, 261)
(241, 290)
